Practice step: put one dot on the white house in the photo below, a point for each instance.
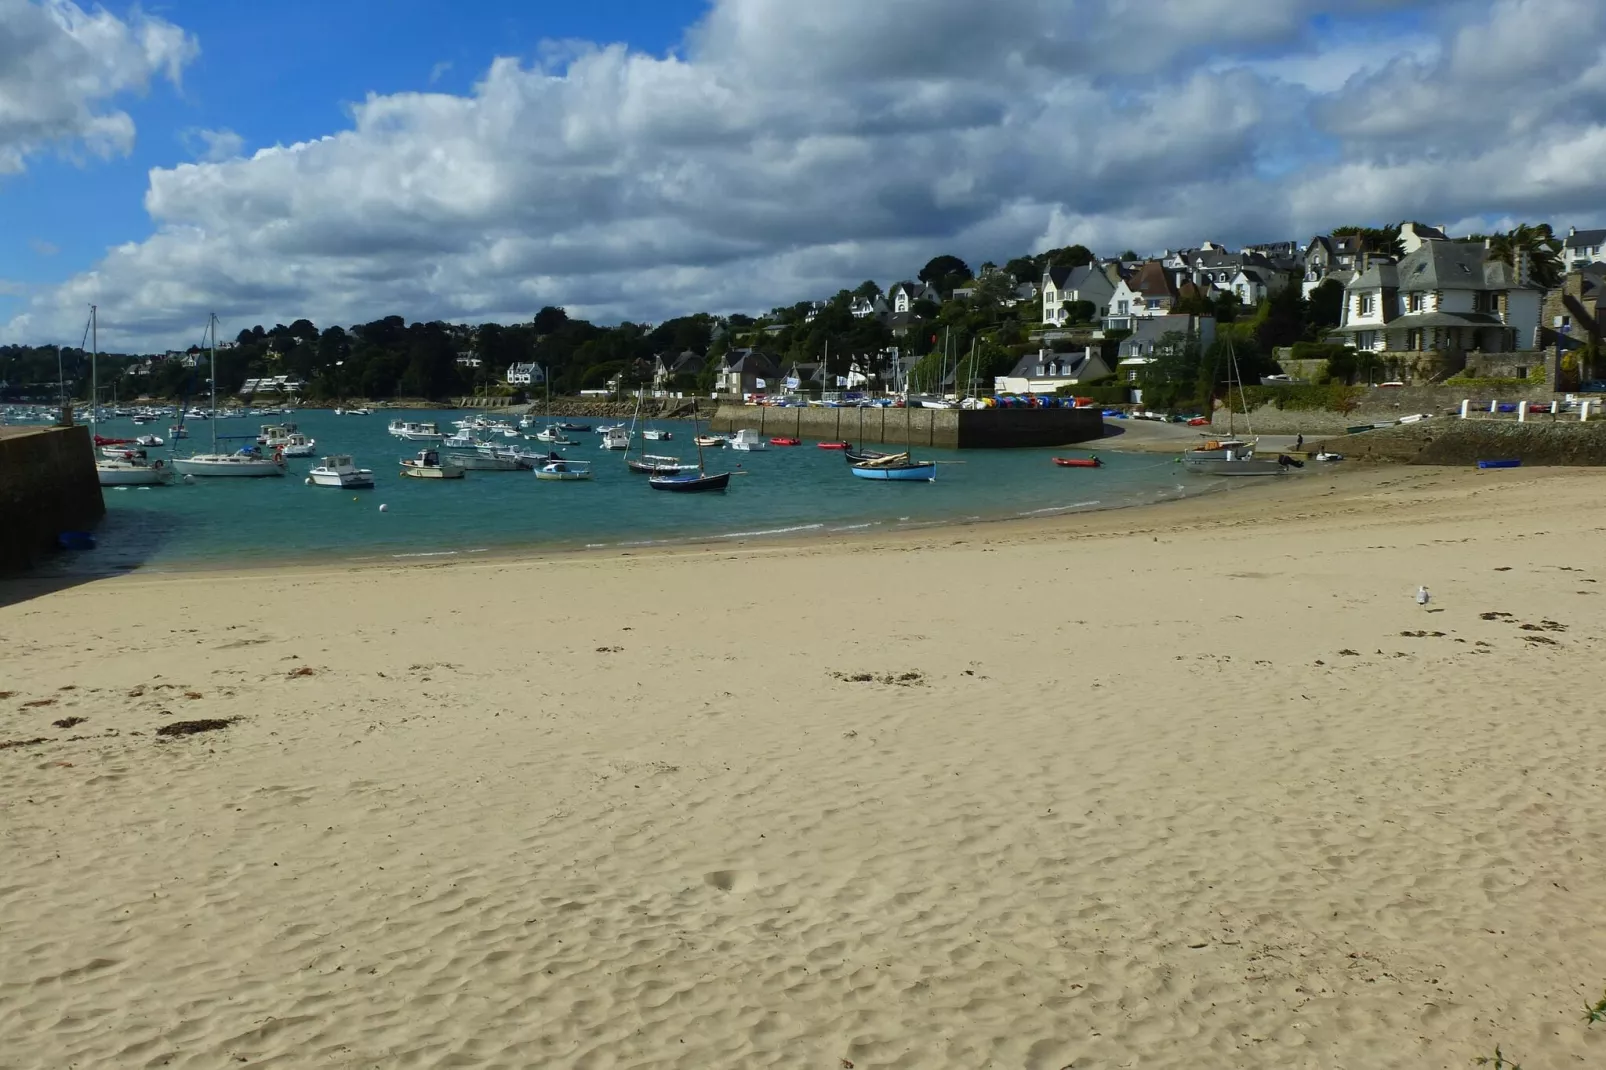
(905, 294)
(1413, 235)
(469, 360)
(1445, 295)
(525, 375)
(1138, 351)
(1253, 285)
(1064, 286)
(1582, 247)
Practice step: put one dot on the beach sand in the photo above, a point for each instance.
(1169, 787)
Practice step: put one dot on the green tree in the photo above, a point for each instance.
(1544, 262)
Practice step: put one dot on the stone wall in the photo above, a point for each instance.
(964, 429)
(1465, 442)
(1377, 405)
(47, 485)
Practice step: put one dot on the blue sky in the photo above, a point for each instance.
(281, 73)
(735, 155)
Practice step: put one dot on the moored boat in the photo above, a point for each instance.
(834, 445)
(1078, 462)
(563, 470)
(710, 442)
(691, 482)
(341, 471)
(896, 466)
(786, 442)
(747, 440)
(299, 445)
(652, 464)
(133, 473)
(427, 465)
(616, 438)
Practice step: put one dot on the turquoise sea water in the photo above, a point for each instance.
(785, 491)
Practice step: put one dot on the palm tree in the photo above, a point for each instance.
(1544, 262)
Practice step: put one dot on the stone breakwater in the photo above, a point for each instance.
(1452, 441)
(47, 485)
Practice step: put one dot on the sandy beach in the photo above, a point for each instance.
(1195, 785)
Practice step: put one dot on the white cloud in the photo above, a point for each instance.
(214, 146)
(790, 149)
(60, 66)
(44, 248)
(439, 71)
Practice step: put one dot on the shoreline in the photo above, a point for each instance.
(1225, 504)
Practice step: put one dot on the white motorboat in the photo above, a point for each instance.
(564, 471)
(463, 440)
(149, 440)
(616, 438)
(275, 435)
(340, 471)
(421, 431)
(655, 435)
(429, 465)
(553, 436)
(748, 439)
(299, 445)
(178, 431)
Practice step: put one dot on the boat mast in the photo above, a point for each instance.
(94, 377)
(211, 324)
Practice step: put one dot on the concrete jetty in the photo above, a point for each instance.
(47, 485)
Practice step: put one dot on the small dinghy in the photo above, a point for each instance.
(1079, 462)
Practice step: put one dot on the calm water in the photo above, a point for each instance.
(785, 491)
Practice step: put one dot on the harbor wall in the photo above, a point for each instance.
(1451, 441)
(47, 485)
(965, 429)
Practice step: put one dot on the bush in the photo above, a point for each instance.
(1331, 397)
(1319, 351)
(1104, 392)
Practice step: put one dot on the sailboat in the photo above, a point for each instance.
(246, 463)
(128, 470)
(650, 464)
(685, 482)
(1232, 456)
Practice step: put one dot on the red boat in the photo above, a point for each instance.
(1079, 462)
(786, 442)
(835, 445)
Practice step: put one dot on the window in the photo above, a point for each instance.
(1413, 303)
(1413, 340)
(1366, 340)
(1154, 302)
(1364, 304)
(1121, 307)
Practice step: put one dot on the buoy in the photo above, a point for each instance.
(384, 508)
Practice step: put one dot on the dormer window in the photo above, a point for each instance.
(1413, 302)
(1364, 305)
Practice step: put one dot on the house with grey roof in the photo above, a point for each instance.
(905, 294)
(1137, 352)
(1045, 371)
(1581, 247)
(747, 371)
(1064, 286)
(1446, 295)
(1413, 235)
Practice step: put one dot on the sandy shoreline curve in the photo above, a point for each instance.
(1190, 784)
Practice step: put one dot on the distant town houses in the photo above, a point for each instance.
(277, 384)
(1580, 248)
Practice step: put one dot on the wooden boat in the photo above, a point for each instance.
(896, 466)
(1512, 463)
(427, 465)
(853, 456)
(834, 445)
(691, 483)
(1079, 462)
(710, 442)
(786, 442)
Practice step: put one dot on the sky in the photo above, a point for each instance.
(630, 159)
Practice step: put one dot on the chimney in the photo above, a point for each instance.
(1519, 266)
(1572, 232)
